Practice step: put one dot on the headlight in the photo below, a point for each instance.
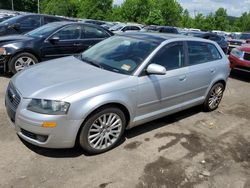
(50, 107)
(2, 51)
(237, 53)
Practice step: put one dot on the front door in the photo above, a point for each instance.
(68, 44)
(159, 94)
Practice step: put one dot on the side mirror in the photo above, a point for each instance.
(156, 69)
(54, 39)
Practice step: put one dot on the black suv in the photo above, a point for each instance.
(25, 23)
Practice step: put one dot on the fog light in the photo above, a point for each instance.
(41, 138)
(49, 124)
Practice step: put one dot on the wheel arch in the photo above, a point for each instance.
(107, 105)
(30, 51)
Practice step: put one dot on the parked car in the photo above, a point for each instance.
(24, 23)
(238, 41)
(50, 41)
(119, 28)
(214, 37)
(240, 58)
(121, 82)
(96, 22)
(168, 29)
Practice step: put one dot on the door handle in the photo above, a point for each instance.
(77, 44)
(212, 71)
(183, 78)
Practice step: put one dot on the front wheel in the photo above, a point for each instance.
(102, 130)
(22, 61)
(214, 97)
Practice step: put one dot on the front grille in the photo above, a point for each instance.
(13, 96)
(247, 56)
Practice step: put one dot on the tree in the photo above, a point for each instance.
(19, 5)
(95, 9)
(199, 21)
(170, 10)
(59, 7)
(186, 20)
(221, 19)
(135, 10)
(243, 22)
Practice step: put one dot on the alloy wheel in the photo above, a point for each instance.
(215, 97)
(23, 62)
(105, 131)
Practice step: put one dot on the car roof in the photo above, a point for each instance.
(153, 37)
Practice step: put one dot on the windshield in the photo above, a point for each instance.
(119, 54)
(11, 20)
(43, 31)
(244, 36)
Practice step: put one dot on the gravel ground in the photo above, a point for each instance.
(187, 149)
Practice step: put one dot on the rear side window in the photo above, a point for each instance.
(202, 52)
(48, 19)
(170, 56)
(93, 32)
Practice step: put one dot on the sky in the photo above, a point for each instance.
(234, 7)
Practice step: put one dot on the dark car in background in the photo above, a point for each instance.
(167, 29)
(161, 29)
(24, 23)
(50, 41)
(214, 37)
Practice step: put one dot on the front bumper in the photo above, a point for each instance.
(28, 126)
(239, 64)
(3, 62)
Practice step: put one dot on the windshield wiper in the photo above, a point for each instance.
(90, 62)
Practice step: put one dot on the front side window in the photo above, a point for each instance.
(93, 32)
(202, 52)
(119, 54)
(69, 33)
(170, 56)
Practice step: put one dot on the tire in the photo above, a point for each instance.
(21, 61)
(214, 97)
(97, 138)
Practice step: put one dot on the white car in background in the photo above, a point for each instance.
(119, 28)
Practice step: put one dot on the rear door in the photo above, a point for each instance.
(68, 44)
(203, 58)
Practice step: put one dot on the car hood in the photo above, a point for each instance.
(60, 78)
(10, 38)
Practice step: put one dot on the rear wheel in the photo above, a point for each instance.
(22, 61)
(214, 97)
(102, 130)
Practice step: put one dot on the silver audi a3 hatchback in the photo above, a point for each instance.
(119, 83)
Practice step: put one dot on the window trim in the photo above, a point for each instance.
(82, 27)
(187, 55)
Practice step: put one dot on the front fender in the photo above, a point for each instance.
(81, 109)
